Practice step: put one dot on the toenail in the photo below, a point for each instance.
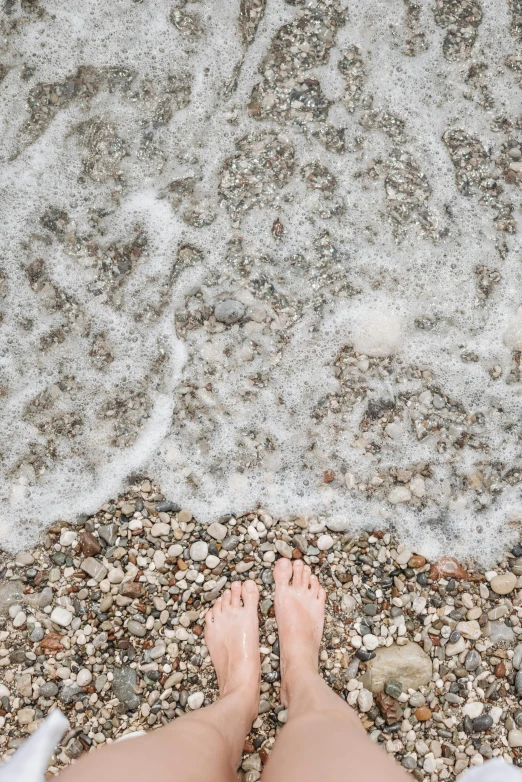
(250, 586)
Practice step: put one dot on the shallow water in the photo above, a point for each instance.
(266, 254)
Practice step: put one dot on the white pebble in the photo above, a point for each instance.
(324, 542)
(195, 701)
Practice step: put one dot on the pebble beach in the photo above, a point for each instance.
(104, 620)
(260, 297)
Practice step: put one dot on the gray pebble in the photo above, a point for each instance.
(48, 690)
(484, 722)
(37, 634)
(136, 628)
(472, 660)
(230, 543)
(229, 311)
(168, 507)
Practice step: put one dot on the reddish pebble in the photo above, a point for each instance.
(447, 567)
(500, 670)
(297, 554)
(328, 476)
(423, 713)
(416, 561)
(197, 629)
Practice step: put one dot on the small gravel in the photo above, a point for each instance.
(428, 653)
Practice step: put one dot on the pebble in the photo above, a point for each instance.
(503, 584)
(284, 549)
(94, 568)
(136, 628)
(229, 311)
(517, 657)
(399, 494)
(409, 664)
(195, 700)
(199, 551)
(123, 684)
(482, 723)
(84, 677)
(217, 531)
(364, 700)
(61, 616)
(24, 559)
(393, 688)
(515, 738)
(324, 542)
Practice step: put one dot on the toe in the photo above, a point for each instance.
(236, 594)
(283, 572)
(322, 595)
(307, 574)
(227, 596)
(250, 594)
(314, 586)
(209, 617)
(216, 610)
(297, 578)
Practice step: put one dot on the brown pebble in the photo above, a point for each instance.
(197, 629)
(500, 670)
(89, 544)
(263, 754)
(248, 746)
(52, 642)
(447, 567)
(182, 564)
(131, 589)
(328, 476)
(416, 561)
(423, 713)
(296, 554)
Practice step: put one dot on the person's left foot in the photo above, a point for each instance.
(232, 638)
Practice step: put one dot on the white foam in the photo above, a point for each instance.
(257, 424)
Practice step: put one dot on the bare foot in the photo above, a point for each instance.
(232, 638)
(299, 610)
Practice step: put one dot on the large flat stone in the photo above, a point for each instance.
(409, 664)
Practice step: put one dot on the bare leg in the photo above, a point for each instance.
(206, 744)
(323, 738)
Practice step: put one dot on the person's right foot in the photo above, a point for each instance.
(299, 609)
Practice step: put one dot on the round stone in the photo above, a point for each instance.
(503, 584)
(19, 620)
(136, 628)
(484, 722)
(37, 635)
(324, 542)
(199, 551)
(84, 677)
(229, 311)
(371, 642)
(195, 701)
(217, 531)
